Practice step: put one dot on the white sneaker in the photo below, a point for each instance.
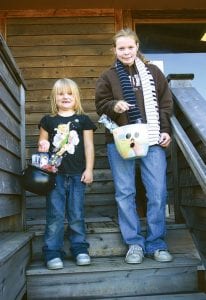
(83, 259)
(134, 255)
(162, 256)
(55, 263)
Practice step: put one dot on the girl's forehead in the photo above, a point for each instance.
(64, 89)
(124, 40)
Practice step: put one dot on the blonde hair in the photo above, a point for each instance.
(65, 85)
(127, 32)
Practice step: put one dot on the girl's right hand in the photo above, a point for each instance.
(122, 106)
(43, 146)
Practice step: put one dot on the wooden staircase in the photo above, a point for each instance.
(108, 276)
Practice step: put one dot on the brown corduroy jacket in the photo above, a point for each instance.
(109, 92)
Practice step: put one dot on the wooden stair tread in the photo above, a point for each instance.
(15, 255)
(108, 264)
(109, 276)
(182, 296)
(11, 242)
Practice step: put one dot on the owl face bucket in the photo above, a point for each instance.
(131, 140)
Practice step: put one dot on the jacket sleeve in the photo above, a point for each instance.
(165, 101)
(104, 98)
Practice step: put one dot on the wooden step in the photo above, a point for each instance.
(15, 255)
(182, 296)
(112, 277)
(105, 240)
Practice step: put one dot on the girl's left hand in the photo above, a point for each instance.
(87, 177)
(165, 139)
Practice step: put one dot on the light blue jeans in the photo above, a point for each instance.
(66, 199)
(153, 173)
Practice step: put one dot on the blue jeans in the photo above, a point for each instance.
(153, 173)
(66, 199)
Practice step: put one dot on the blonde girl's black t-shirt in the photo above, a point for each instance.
(66, 136)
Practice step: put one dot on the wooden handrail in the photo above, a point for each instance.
(192, 156)
(193, 106)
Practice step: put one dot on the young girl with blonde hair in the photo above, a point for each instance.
(67, 133)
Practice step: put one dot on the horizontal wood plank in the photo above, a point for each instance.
(109, 211)
(9, 142)
(10, 205)
(113, 278)
(35, 201)
(9, 162)
(181, 296)
(63, 39)
(11, 223)
(34, 118)
(9, 183)
(41, 84)
(50, 29)
(62, 72)
(89, 19)
(44, 95)
(101, 162)
(66, 12)
(9, 80)
(10, 102)
(60, 50)
(88, 106)
(9, 123)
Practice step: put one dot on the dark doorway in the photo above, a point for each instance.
(171, 38)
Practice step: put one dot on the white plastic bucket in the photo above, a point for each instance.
(132, 140)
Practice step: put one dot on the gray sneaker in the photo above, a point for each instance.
(162, 256)
(83, 259)
(134, 255)
(55, 264)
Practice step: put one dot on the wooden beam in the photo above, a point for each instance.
(149, 4)
(127, 18)
(56, 12)
(167, 15)
(3, 27)
(118, 19)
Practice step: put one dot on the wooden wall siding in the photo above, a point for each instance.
(11, 132)
(49, 48)
(46, 49)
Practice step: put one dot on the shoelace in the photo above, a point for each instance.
(134, 249)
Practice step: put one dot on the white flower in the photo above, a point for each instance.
(73, 138)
